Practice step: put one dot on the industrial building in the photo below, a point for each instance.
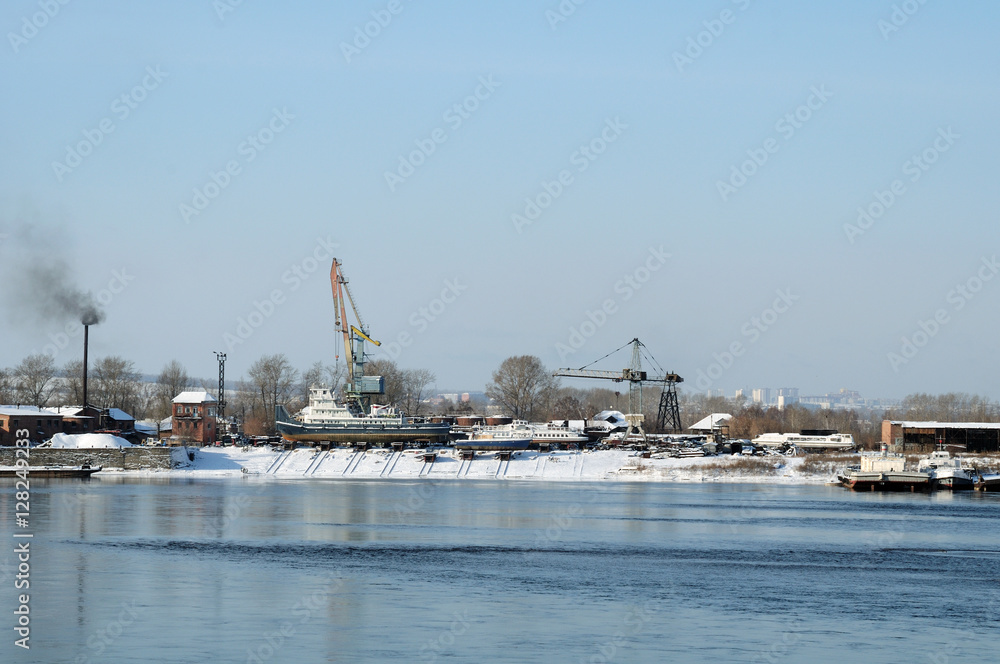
(194, 417)
(38, 422)
(907, 436)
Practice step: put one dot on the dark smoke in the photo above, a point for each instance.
(47, 284)
(38, 281)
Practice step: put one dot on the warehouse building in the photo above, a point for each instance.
(908, 436)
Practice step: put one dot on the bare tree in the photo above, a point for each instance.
(567, 407)
(951, 407)
(415, 384)
(72, 383)
(7, 387)
(243, 402)
(394, 380)
(274, 381)
(33, 377)
(173, 380)
(116, 384)
(328, 375)
(522, 386)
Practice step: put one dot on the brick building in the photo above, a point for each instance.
(77, 419)
(41, 424)
(193, 418)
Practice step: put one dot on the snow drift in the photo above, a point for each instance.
(88, 441)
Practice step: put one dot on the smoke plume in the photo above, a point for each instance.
(39, 282)
(56, 298)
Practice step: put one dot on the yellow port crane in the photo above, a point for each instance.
(358, 386)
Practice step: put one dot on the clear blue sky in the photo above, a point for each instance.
(337, 122)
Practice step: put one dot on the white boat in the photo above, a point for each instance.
(883, 471)
(535, 433)
(837, 441)
(499, 438)
(947, 472)
(551, 433)
(326, 420)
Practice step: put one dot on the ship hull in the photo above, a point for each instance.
(494, 445)
(392, 431)
(955, 483)
(887, 481)
(51, 471)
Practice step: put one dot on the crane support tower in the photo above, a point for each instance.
(359, 387)
(668, 418)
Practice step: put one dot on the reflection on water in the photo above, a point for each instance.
(246, 569)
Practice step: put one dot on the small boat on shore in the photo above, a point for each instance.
(947, 472)
(884, 472)
(503, 438)
(988, 482)
(84, 471)
(837, 441)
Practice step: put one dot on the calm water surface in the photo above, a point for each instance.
(257, 570)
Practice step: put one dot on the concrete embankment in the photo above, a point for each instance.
(125, 458)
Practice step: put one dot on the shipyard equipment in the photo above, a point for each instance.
(359, 387)
(668, 417)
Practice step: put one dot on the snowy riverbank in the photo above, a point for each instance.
(606, 465)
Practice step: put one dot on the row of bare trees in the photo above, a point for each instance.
(114, 382)
(521, 386)
(272, 380)
(407, 389)
(524, 388)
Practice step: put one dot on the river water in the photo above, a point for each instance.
(258, 570)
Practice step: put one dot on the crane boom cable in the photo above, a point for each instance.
(350, 297)
(606, 356)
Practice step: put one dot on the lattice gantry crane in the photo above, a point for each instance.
(668, 416)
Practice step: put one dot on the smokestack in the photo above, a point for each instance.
(86, 342)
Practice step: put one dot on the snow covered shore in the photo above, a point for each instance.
(605, 465)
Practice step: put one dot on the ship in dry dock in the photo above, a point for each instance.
(355, 420)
